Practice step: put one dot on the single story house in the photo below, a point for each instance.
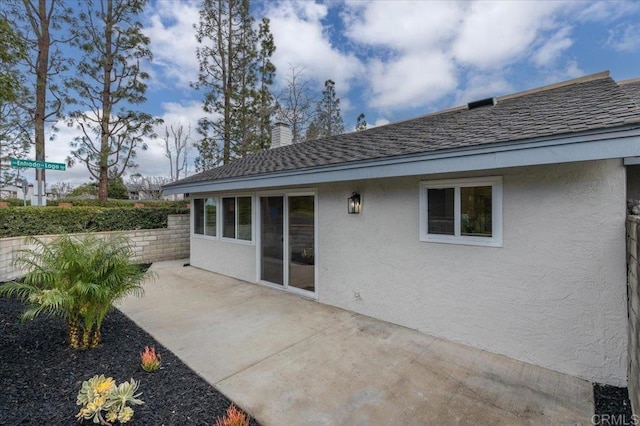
(499, 224)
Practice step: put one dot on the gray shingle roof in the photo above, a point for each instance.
(632, 89)
(585, 104)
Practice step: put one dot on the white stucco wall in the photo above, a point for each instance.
(230, 258)
(554, 295)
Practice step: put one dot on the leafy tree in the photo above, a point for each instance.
(328, 118)
(39, 25)
(78, 279)
(109, 82)
(313, 132)
(117, 189)
(13, 50)
(266, 71)
(90, 188)
(14, 142)
(361, 122)
(235, 72)
(295, 105)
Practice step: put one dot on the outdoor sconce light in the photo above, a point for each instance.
(353, 203)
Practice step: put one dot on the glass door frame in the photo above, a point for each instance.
(285, 264)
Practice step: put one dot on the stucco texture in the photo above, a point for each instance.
(554, 295)
(233, 259)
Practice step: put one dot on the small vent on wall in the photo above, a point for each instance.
(481, 103)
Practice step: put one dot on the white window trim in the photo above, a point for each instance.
(193, 210)
(496, 211)
(236, 240)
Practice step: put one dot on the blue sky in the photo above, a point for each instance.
(394, 60)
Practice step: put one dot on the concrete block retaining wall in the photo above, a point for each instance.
(149, 245)
(633, 239)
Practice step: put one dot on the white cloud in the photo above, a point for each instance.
(625, 37)
(608, 10)
(410, 81)
(418, 50)
(187, 113)
(411, 68)
(493, 34)
(572, 70)
(301, 40)
(173, 41)
(553, 47)
(405, 26)
(569, 70)
(482, 86)
(380, 121)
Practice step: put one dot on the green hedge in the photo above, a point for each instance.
(14, 202)
(23, 221)
(118, 203)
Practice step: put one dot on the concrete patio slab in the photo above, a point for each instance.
(288, 360)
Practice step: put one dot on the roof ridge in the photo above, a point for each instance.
(629, 81)
(583, 79)
(429, 114)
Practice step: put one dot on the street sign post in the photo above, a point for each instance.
(18, 162)
(39, 166)
(25, 191)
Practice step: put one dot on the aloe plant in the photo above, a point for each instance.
(78, 279)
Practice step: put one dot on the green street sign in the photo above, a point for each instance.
(17, 162)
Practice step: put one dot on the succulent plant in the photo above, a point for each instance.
(233, 417)
(150, 360)
(101, 393)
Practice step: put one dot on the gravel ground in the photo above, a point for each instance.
(40, 376)
(612, 405)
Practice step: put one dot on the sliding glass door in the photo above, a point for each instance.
(301, 240)
(272, 239)
(288, 240)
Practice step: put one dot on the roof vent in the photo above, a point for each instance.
(481, 103)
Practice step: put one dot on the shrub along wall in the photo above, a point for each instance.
(149, 245)
(23, 221)
(81, 202)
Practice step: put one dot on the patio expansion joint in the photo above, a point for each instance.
(333, 324)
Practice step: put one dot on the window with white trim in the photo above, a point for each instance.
(236, 218)
(205, 216)
(462, 211)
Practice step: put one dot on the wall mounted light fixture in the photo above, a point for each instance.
(353, 203)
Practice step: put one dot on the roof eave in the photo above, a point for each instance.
(585, 146)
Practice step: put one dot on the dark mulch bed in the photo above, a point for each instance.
(612, 405)
(40, 376)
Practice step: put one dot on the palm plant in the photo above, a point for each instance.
(78, 279)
